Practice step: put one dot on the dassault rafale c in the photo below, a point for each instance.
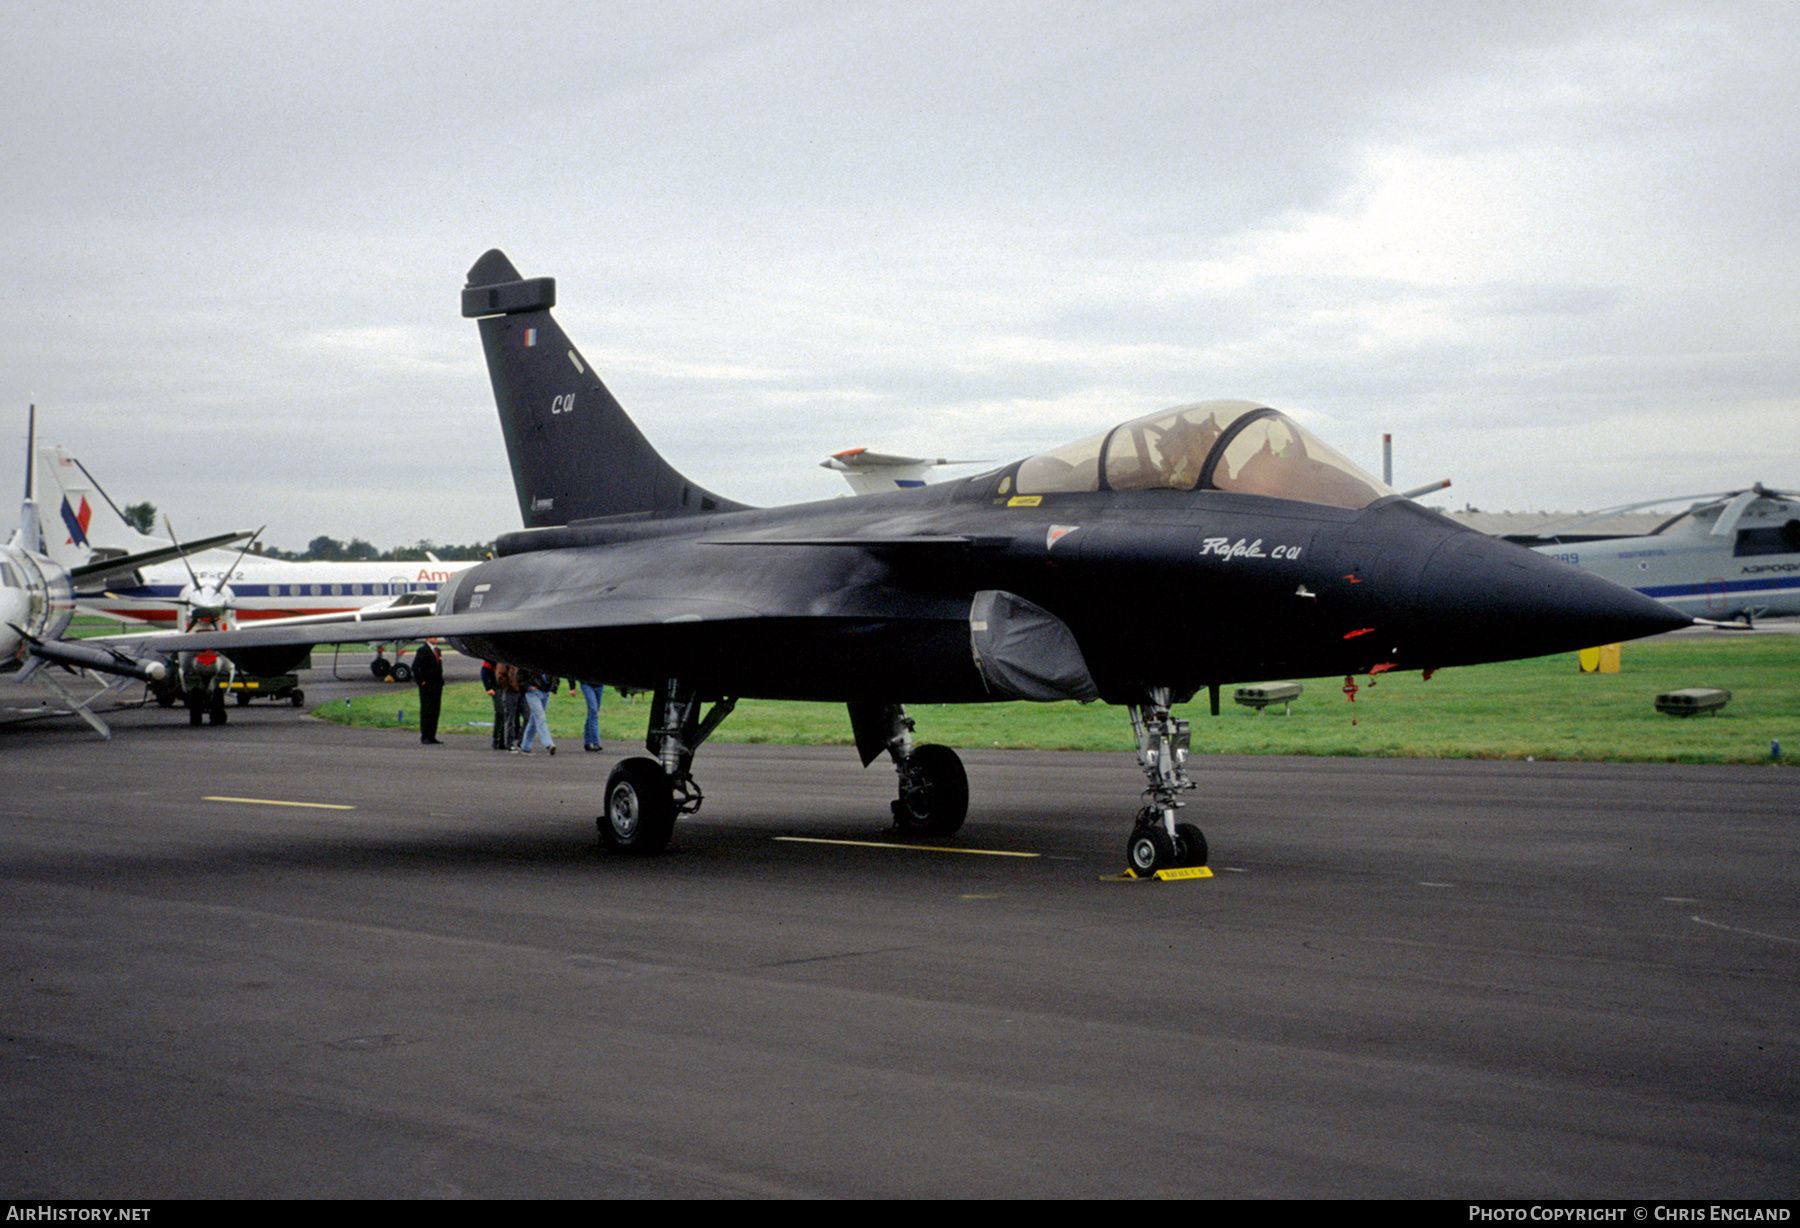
(1203, 545)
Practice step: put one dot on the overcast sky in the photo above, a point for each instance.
(1550, 246)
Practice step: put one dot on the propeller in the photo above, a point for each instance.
(207, 600)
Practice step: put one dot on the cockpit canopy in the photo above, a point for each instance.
(1234, 446)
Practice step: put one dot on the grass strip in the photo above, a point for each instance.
(1542, 709)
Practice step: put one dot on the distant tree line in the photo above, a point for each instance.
(330, 549)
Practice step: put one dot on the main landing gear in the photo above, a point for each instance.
(934, 788)
(1157, 841)
(645, 796)
(207, 704)
(385, 670)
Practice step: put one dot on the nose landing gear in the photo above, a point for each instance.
(1157, 841)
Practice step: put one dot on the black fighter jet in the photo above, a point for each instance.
(1208, 544)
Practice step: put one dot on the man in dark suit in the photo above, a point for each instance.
(428, 672)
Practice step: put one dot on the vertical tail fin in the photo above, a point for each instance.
(575, 454)
(82, 523)
(29, 535)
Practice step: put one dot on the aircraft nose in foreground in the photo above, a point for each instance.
(1483, 599)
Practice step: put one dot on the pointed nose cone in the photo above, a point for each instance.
(1483, 599)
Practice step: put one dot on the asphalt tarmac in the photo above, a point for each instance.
(284, 959)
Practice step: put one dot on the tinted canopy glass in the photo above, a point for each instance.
(1216, 445)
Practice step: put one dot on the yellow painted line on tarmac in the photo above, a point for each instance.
(270, 801)
(911, 848)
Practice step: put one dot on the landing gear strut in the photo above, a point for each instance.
(645, 796)
(934, 788)
(1157, 841)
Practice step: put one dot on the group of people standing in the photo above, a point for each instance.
(519, 695)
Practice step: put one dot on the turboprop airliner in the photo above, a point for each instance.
(245, 586)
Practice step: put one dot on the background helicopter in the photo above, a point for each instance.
(1731, 555)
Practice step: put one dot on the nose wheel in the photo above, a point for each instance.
(1190, 845)
(1151, 848)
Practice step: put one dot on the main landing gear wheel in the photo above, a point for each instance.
(644, 797)
(934, 792)
(640, 808)
(380, 667)
(400, 673)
